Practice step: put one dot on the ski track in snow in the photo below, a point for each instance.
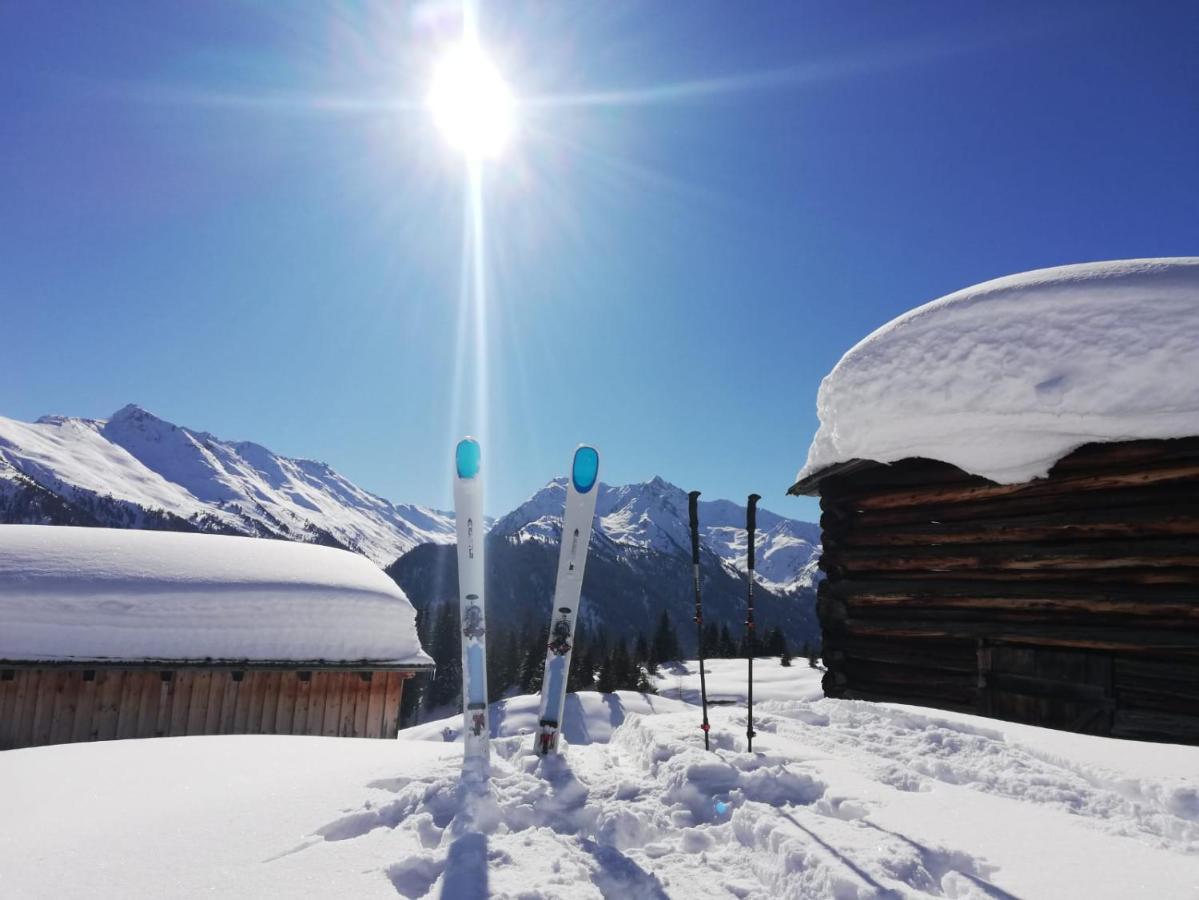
(639, 817)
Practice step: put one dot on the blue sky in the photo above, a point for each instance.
(238, 216)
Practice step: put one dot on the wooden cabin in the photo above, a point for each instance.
(108, 634)
(1009, 486)
(1070, 601)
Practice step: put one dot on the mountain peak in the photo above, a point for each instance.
(130, 411)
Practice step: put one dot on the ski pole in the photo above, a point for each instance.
(751, 525)
(693, 512)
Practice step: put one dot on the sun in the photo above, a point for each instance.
(471, 102)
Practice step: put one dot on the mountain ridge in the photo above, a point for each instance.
(136, 470)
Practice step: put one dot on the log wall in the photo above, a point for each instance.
(67, 705)
(1070, 601)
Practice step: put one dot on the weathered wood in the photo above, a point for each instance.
(333, 694)
(127, 705)
(376, 699)
(43, 715)
(181, 695)
(27, 707)
(844, 514)
(8, 705)
(1050, 636)
(166, 699)
(391, 707)
(1155, 725)
(216, 701)
(256, 682)
(106, 713)
(1089, 525)
(66, 700)
(349, 704)
(1082, 556)
(1136, 476)
(245, 697)
(316, 703)
(147, 704)
(299, 719)
(232, 689)
(362, 700)
(270, 702)
(286, 705)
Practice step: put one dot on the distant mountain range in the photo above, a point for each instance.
(135, 470)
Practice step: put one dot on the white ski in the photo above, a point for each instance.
(581, 491)
(468, 511)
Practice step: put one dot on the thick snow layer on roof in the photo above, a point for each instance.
(97, 593)
(1005, 378)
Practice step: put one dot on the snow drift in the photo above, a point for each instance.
(1005, 378)
(97, 593)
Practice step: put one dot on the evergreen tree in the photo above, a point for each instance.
(606, 682)
(623, 668)
(643, 683)
(785, 657)
(532, 670)
(446, 649)
(641, 650)
(581, 674)
(814, 652)
(728, 649)
(775, 643)
(414, 688)
(665, 647)
(711, 641)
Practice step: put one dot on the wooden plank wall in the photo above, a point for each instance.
(60, 706)
(1070, 601)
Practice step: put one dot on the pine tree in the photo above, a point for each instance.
(641, 650)
(728, 649)
(606, 682)
(532, 669)
(414, 688)
(446, 650)
(814, 652)
(775, 643)
(644, 685)
(580, 677)
(665, 647)
(785, 657)
(711, 641)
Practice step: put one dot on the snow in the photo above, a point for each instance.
(653, 516)
(844, 799)
(97, 593)
(1005, 378)
(137, 458)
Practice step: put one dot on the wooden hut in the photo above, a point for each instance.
(125, 634)
(1069, 600)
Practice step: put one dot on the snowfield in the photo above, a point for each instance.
(840, 799)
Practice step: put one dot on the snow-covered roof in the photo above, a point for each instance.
(109, 594)
(1005, 378)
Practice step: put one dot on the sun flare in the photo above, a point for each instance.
(471, 102)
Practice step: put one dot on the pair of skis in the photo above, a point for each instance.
(581, 492)
(751, 524)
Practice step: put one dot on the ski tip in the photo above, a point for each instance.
(584, 471)
(468, 458)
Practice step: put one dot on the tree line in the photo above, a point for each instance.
(516, 658)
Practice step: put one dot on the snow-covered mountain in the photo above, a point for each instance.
(135, 470)
(653, 516)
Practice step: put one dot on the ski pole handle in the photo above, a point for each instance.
(751, 524)
(693, 513)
